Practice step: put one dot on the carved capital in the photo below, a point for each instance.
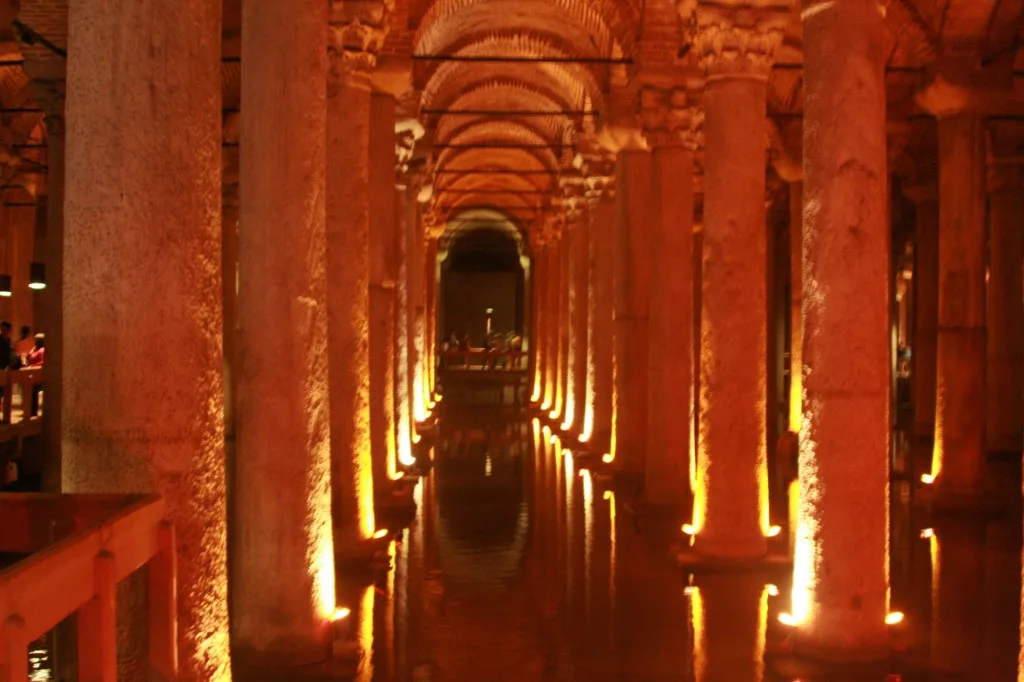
(738, 39)
(433, 224)
(671, 117)
(357, 32)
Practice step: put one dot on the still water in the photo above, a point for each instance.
(521, 567)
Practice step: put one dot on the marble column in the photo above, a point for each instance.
(959, 456)
(1005, 398)
(143, 400)
(926, 306)
(601, 194)
(414, 277)
(48, 86)
(631, 283)
(553, 305)
(282, 482)
(579, 308)
(565, 323)
(730, 513)
(667, 473)
(383, 266)
(840, 574)
(403, 412)
(430, 277)
(538, 356)
(348, 289)
(796, 311)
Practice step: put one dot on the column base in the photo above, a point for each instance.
(396, 497)
(364, 556)
(693, 561)
(944, 502)
(796, 661)
(339, 660)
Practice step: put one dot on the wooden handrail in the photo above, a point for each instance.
(79, 575)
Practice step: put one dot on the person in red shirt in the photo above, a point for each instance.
(38, 353)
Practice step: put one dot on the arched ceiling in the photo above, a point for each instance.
(522, 73)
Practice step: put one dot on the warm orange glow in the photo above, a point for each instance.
(894, 618)
(364, 636)
(762, 631)
(773, 590)
(570, 413)
(553, 414)
(588, 421)
(341, 613)
(398, 476)
(927, 533)
(607, 458)
(927, 479)
(380, 534)
(416, 438)
(546, 405)
(773, 531)
(689, 529)
(788, 619)
(698, 622)
(761, 471)
(405, 457)
(796, 391)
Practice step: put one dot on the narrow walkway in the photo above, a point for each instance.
(521, 568)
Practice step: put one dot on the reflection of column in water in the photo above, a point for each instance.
(570, 526)
(609, 495)
(1002, 602)
(958, 574)
(390, 641)
(729, 619)
(364, 634)
(588, 542)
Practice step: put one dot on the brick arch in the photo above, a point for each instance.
(508, 96)
(599, 25)
(575, 78)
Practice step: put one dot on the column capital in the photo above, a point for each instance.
(356, 36)
(670, 117)
(739, 38)
(433, 224)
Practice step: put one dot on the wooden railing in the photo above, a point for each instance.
(478, 358)
(19, 390)
(100, 541)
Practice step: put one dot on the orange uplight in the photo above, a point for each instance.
(894, 618)
(689, 529)
(927, 479)
(773, 590)
(927, 533)
(341, 613)
(773, 531)
(788, 619)
(553, 414)
(607, 458)
(380, 534)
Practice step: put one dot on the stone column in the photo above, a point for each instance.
(540, 277)
(565, 321)
(383, 266)
(48, 91)
(666, 119)
(926, 306)
(579, 304)
(430, 274)
(796, 311)
(631, 283)
(143, 400)
(959, 457)
(840, 575)
(731, 488)
(1005, 402)
(601, 195)
(282, 488)
(403, 413)
(417, 321)
(554, 317)
(352, 54)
